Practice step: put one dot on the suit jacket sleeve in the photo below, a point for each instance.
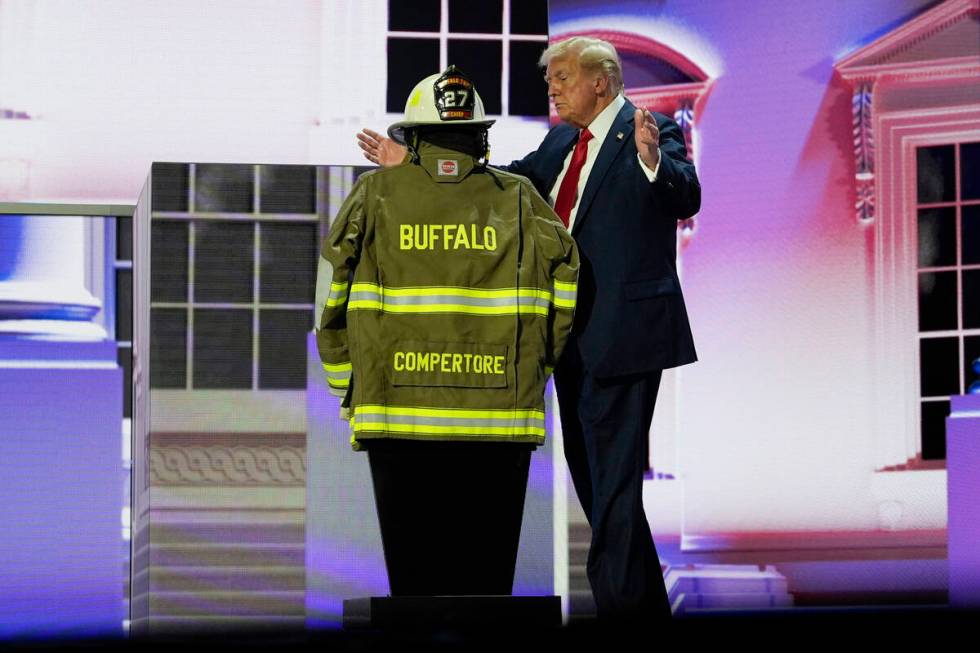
(677, 182)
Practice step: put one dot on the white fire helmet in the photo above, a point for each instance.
(448, 98)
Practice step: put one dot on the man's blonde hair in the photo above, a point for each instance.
(594, 55)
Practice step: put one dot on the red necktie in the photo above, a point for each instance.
(569, 185)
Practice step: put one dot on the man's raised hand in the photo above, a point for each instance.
(647, 136)
(380, 149)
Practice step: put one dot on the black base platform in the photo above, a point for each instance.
(451, 612)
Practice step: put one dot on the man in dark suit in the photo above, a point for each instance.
(633, 185)
(620, 179)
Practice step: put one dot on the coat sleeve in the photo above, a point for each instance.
(677, 181)
(560, 261)
(338, 258)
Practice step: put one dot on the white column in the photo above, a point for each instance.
(42, 278)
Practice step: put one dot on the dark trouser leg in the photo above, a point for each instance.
(450, 514)
(612, 422)
(568, 386)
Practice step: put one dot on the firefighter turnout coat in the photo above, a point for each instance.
(445, 294)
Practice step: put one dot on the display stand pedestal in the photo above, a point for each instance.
(963, 488)
(452, 612)
(450, 516)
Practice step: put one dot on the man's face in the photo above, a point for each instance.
(573, 90)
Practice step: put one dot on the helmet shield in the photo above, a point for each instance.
(454, 96)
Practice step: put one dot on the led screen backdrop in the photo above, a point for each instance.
(830, 278)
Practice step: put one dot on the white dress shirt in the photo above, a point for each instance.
(599, 127)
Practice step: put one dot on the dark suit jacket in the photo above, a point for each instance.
(630, 315)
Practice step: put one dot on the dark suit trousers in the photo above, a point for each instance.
(605, 427)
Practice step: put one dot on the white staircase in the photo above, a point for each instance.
(700, 588)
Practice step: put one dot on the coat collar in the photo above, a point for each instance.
(444, 165)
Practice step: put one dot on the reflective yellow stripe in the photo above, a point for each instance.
(338, 374)
(451, 421)
(491, 413)
(455, 299)
(447, 308)
(465, 430)
(565, 294)
(364, 303)
(461, 291)
(338, 293)
(567, 287)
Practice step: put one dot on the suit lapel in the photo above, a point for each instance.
(623, 124)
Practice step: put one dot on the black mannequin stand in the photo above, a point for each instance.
(450, 516)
